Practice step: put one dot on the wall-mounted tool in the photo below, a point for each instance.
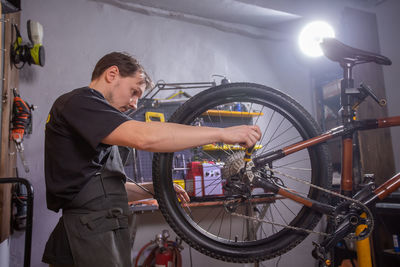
(20, 204)
(31, 52)
(21, 124)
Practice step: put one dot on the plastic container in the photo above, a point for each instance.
(396, 243)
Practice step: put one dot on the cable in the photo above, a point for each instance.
(190, 256)
(143, 188)
(277, 262)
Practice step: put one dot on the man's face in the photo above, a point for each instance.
(126, 91)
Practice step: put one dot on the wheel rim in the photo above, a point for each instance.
(215, 222)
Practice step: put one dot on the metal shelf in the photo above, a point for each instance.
(228, 113)
(207, 201)
(212, 147)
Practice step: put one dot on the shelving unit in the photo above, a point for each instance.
(387, 217)
(233, 114)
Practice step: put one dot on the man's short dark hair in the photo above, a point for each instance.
(126, 64)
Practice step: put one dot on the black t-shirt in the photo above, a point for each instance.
(76, 124)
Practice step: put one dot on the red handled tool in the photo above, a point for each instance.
(21, 124)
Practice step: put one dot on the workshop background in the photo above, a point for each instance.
(183, 41)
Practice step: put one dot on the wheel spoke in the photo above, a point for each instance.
(220, 225)
(215, 218)
(266, 128)
(283, 203)
(225, 207)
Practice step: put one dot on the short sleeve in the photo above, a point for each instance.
(92, 117)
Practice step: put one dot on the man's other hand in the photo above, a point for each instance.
(181, 193)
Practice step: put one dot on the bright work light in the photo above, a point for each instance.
(312, 35)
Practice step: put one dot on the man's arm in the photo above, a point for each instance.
(170, 137)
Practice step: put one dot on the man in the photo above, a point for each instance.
(83, 169)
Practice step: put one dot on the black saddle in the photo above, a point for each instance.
(339, 52)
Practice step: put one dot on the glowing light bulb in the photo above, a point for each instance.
(311, 36)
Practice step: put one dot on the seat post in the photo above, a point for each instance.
(347, 114)
(347, 92)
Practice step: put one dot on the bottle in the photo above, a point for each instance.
(396, 243)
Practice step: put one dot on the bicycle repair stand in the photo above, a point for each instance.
(29, 215)
(351, 98)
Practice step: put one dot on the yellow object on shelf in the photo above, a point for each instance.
(154, 116)
(228, 113)
(180, 182)
(212, 147)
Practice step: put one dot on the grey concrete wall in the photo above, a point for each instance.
(5, 253)
(78, 32)
(388, 20)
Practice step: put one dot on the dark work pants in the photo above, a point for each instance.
(94, 227)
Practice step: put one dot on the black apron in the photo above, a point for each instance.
(96, 220)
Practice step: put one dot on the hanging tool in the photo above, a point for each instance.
(20, 206)
(21, 124)
(28, 52)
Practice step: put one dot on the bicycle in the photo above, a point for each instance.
(274, 194)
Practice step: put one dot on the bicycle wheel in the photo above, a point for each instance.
(213, 223)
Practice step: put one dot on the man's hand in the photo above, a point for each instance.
(244, 135)
(181, 193)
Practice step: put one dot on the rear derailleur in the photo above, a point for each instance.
(239, 191)
(240, 188)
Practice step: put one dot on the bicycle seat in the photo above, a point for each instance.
(339, 52)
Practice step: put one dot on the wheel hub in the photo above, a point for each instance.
(236, 181)
(233, 164)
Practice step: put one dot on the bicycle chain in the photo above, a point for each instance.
(352, 236)
(278, 224)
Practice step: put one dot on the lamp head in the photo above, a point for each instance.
(311, 36)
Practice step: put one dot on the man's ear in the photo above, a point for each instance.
(111, 73)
